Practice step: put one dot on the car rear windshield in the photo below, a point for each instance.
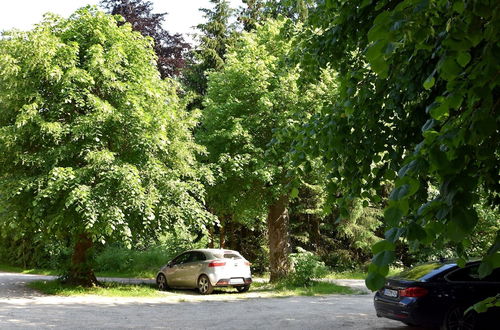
(227, 256)
(421, 272)
(232, 256)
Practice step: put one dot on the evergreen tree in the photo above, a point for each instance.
(217, 33)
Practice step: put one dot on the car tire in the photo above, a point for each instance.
(242, 289)
(161, 282)
(456, 320)
(204, 285)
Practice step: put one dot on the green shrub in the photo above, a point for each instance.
(146, 260)
(306, 267)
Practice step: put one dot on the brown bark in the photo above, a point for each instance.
(277, 226)
(222, 234)
(315, 222)
(211, 237)
(81, 273)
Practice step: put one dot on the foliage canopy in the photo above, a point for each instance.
(418, 108)
(93, 142)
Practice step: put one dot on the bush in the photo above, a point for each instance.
(129, 261)
(146, 260)
(306, 266)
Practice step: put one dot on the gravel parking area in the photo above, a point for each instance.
(23, 308)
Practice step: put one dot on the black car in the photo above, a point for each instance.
(437, 294)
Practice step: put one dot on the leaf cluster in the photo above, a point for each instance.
(417, 107)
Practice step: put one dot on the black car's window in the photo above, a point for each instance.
(471, 274)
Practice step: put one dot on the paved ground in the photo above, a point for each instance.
(22, 308)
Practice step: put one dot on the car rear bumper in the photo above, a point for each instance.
(392, 311)
(234, 281)
(407, 310)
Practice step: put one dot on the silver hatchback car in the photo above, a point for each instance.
(205, 269)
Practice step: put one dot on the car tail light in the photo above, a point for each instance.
(216, 264)
(247, 263)
(413, 292)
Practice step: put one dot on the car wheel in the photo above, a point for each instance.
(455, 319)
(161, 282)
(204, 285)
(242, 289)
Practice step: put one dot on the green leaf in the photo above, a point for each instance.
(416, 232)
(429, 82)
(375, 51)
(400, 192)
(393, 234)
(384, 258)
(294, 193)
(440, 112)
(374, 281)
(455, 231)
(449, 69)
(383, 245)
(489, 263)
(459, 6)
(393, 215)
(365, 3)
(380, 66)
(463, 58)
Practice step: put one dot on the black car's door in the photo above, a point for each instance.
(468, 288)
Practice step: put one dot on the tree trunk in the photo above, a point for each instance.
(211, 236)
(277, 227)
(81, 272)
(222, 233)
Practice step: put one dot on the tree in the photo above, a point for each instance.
(257, 11)
(171, 49)
(418, 108)
(216, 36)
(94, 145)
(251, 14)
(251, 113)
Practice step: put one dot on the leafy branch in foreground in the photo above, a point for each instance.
(417, 109)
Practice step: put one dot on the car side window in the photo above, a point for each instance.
(183, 258)
(471, 274)
(197, 256)
(201, 256)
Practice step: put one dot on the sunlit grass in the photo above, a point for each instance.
(138, 274)
(358, 275)
(106, 289)
(314, 289)
(112, 289)
(37, 271)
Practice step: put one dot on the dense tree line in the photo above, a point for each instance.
(345, 128)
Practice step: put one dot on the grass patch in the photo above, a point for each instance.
(314, 289)
(106, 289)
(113, 289)
(39, 271)
(35, 271)
(132, 274)
(358, 275)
